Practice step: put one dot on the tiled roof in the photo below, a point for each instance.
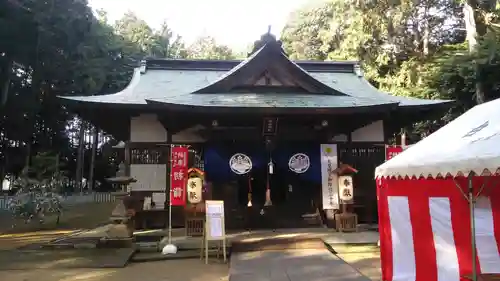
(176, 86)
(199, 83)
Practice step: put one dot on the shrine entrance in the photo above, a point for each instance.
(293, 181)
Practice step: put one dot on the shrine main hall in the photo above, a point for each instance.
(263, 129)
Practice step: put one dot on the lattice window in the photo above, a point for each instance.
(148, 156)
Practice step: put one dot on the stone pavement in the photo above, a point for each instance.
(172, 270)
(291, 265)
(16, 240)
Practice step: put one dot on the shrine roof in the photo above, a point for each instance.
(236, 84)
(178, 85)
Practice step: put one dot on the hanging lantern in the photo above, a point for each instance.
(195, 189)
(345, 188)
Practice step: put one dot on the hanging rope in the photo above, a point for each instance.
(249, 190)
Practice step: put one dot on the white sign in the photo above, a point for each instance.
(194, 189)
(329, 182)
(215, 229)
(299, 163)
(346, 190)
(240, 164)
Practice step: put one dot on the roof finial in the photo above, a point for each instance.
(269, 29)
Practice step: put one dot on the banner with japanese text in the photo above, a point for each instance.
(329, 180)
(391, 151)
(178, 175)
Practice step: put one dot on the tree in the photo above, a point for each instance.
(161, 43)
(53, 48)
(206, 47)
(400, 44)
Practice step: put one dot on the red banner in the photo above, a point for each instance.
(178, 175)
(391, 151)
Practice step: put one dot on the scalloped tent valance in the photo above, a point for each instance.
(468, 144)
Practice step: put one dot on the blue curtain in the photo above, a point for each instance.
(217, 155)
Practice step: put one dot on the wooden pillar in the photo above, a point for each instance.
(127, 158)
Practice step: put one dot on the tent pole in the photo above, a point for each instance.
(473, 226)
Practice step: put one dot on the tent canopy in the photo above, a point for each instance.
(470, 143)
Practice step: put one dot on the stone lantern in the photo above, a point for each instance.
(122, 215)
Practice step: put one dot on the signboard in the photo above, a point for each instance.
(299, 163)
(240, 163)
(270, 126)
(391, 151)
(178, 175)
(215, 229)
(329, 181)
(194, 189)
(346, 190)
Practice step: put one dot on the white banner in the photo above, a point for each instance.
(329, 180)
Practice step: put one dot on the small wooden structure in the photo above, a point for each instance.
(346, 221)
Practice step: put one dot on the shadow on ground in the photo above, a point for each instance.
(173, 270)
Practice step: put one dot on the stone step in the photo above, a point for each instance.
(182, 254)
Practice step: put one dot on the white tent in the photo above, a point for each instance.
(469, 143)
(467, 146)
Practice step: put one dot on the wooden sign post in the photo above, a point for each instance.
(214, 228)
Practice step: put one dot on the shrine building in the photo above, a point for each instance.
(266, 122)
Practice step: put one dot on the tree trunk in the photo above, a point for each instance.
(79, 158)
(95, 139)
(5, 70)
(475, 27)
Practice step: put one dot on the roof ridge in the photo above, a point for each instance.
(226, 65)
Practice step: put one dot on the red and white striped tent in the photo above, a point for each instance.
(424, 216)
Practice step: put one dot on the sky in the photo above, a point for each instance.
(236, 23)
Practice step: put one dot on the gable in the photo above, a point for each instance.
(268, 70)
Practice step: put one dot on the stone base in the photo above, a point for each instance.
(116, 243)
(118, 231)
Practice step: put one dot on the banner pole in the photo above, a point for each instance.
(170, 200)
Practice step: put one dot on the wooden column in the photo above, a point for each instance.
(127, 158)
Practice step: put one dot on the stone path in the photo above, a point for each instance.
(291, 265)
(172, 270)
(16, 240)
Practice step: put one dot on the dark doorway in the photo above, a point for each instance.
(365, 158)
